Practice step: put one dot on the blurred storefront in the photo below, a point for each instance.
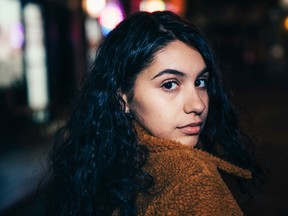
(42, 58)
(46, 45)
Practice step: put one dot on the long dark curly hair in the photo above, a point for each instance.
(96, 163)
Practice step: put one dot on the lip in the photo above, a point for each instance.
(192, 128)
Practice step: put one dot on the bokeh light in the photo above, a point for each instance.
(110, 17)
(277, 51)
(152, 5)
(17, 36)
(284, 3)
(286, 23)
(93, 7)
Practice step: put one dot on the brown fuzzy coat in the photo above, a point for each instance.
(186, 180)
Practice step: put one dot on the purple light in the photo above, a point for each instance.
(17, 35)
(110, 17)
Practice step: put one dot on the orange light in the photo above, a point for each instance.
(177, 6)
(286, 23)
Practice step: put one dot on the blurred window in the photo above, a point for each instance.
(11, 43)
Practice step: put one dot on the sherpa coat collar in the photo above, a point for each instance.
(186, 180)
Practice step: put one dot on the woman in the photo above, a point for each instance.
(150, 126)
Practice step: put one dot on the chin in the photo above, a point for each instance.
(189, 142)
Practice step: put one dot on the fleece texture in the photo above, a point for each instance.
(186, 180)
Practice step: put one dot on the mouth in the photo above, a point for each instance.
(191, 129)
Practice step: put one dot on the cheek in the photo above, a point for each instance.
(205, 99)
(147, 112)
(207, 108)
(150, 114)
(207, 104)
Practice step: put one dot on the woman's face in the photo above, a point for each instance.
(170, 96)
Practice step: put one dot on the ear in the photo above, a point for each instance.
(125, 99)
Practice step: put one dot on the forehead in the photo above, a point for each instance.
(177, 56)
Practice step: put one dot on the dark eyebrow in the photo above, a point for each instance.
(202, 72)
(169, 71)
(178, 73)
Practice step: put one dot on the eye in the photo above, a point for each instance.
(201, 83)
(170, 85)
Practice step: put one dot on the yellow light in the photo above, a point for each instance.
(286, 23)
(93, 7)
(152, 5)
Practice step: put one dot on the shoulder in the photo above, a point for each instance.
(185, 184)
(176, 164)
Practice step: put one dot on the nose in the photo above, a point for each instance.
(195, 102)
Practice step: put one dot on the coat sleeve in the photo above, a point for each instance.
(186, 185)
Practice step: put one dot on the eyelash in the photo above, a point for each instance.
(205, 80)
(202, 81)
(169, 82)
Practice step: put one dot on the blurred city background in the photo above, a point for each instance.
(46, 47)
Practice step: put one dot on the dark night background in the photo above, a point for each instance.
(252, 45)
